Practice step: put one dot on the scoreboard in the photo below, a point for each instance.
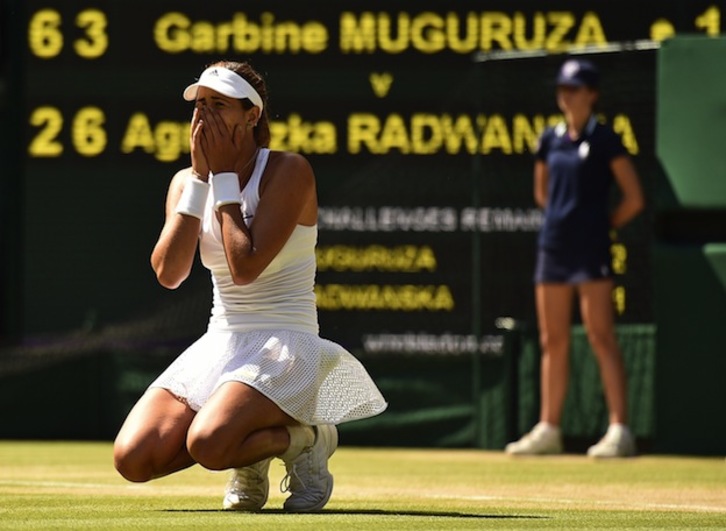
(419, 126)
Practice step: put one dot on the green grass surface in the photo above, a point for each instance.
(60, 485)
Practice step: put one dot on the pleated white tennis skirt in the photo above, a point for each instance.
(314, 380)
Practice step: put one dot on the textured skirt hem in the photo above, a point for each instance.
(313, 380)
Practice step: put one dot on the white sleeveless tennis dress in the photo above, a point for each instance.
(265, 334)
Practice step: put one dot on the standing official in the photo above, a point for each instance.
(577, 163)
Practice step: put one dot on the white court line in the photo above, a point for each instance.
(63, 484)
(566, 501)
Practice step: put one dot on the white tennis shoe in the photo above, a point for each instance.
(617, 442)
(248, 488)
(308, 480)
(544, 439)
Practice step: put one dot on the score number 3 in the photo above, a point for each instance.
(45, 37)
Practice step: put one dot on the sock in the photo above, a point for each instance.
(301, 437)
(618, 429)
(546, 426)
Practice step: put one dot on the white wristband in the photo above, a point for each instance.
(226, 190)
(193, 198)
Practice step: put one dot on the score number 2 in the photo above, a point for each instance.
(87, 133)
(45, 37)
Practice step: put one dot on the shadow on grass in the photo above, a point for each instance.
(373, 512)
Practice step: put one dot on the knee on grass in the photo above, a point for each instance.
(131, 464)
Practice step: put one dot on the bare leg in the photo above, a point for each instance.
(554, 314)
(237, 427)
(597, 313)
(152, 440)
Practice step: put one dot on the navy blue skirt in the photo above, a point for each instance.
(554, 266)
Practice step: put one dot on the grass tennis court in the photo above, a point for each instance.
(72, 485)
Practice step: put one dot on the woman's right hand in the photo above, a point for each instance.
(200, 167)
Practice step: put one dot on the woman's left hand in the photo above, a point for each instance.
(222, 147)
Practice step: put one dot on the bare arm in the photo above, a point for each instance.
(174, 251)
(288, 197)
(541, 176)
(632, 202)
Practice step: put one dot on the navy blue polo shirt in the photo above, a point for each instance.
(577, 214)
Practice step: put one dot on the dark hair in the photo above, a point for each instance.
(262, 129)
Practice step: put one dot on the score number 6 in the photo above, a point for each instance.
(45, 37)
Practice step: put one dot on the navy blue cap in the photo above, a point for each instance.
(579, 73)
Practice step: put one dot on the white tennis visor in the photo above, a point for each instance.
(224, 81)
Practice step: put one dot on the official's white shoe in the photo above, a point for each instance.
(544, 439)
(308, 480)
(248, 488)
(617, 442)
